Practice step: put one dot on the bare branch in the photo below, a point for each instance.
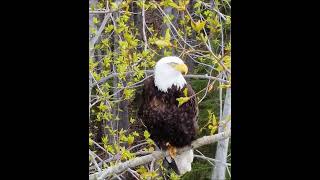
(205, 76)
(210, 159)
(203, 157)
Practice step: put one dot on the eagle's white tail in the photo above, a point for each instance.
(183, 161)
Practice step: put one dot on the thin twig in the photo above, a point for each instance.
(144, 26)
(210, 159)
(135, 146)
(133, 173)
(203, 157)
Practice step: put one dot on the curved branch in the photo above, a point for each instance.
(157, 155)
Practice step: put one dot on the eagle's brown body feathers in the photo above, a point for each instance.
(166, 122)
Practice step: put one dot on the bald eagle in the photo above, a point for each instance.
(170, 126)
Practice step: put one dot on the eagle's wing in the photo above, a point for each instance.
(194, 103)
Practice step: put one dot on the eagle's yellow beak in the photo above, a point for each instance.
(181, 68)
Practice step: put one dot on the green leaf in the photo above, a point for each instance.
(162, 43)
(198, 26)
(151, 149)
(228, 20)
(128, 93)
(126, 155)
(213, 129)
(100, 5)
(185, 92)
(224, 86)
(110, 149)
(169, 3)
(146, 134)
(123, 138)
(182, 100)
(183, 4)
(214, 120)
(130, 139)
(135, 133)
(92, 7)
(142, 170)
(173, 4)
(114, 6)
(145, 53)
(206, 13)
(150, 142)
(109, 28)
(90, 142)
(197, 5)
(149, 174)
(174, 176)
(167, 37)
(104, 139)
(102, 107)
(132, 120)
(167, 53)
(95, 20)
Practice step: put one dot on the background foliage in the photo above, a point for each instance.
(127, 37)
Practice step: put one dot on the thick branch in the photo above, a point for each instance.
(222, 146)
(157, 155)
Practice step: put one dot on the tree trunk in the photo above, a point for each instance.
(168, 11)
(191, 64)
(219, 170)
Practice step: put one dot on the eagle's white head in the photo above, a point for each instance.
(168, 72)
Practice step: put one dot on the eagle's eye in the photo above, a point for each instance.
(172, 63)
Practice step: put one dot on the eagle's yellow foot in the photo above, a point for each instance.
(172, 150)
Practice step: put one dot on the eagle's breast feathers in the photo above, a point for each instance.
(164, 119)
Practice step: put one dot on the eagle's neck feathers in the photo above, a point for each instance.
(165, 81)
(165, 76)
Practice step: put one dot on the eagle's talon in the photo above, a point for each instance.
(172, 150)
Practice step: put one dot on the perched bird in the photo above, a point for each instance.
(171, 126)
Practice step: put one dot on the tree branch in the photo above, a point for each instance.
(210, 159)
(112, 75)
(101, 12)
(103, 24)
(144, 27)
(157, 155)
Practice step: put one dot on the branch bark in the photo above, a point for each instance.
(222, 147)
(157, 155)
